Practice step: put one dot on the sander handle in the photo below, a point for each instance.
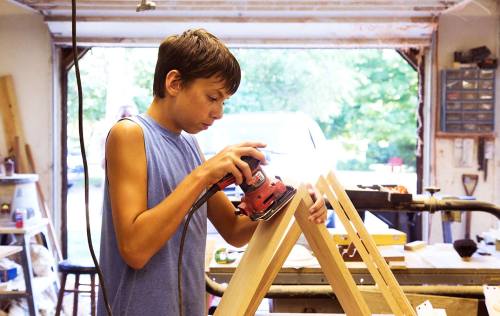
(227, 180)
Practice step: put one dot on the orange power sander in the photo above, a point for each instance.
(262, 199)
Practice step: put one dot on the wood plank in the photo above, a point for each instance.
(380, 22)
(391, 291)
(6, 251)
(325, 188)
(365, 245)
(249, 7)
(12, 121)
(244, 287)
(277, 261)
(44, 207)
(331, 42)
(454, 306)
(382, 237)
(415, 245)
(29, 227)
(332, 264)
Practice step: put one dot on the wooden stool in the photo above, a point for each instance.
(76, 267)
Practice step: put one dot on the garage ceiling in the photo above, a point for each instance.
(316, 23)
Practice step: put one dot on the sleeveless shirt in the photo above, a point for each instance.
(152, 290)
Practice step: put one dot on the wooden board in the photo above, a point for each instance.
(44, 207)
(13, 129)
(384, 237)
(332, 264)
(247, 286)
(415, 245)
(6, 251)
(454, 306)
(365, 245)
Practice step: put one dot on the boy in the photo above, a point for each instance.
(155, 173)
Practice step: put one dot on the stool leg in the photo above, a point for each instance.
(60, 297)
(92, 295)
(76, 293)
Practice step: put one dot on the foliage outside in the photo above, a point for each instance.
(365, 100)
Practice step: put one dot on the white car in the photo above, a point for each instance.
(296, 149)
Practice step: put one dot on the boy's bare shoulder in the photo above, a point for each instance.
(125, 131)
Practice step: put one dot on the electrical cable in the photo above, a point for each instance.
(84, 156)
(213, 189)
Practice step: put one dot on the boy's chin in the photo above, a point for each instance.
(193, 130)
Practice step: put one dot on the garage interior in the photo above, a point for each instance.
(455, 195)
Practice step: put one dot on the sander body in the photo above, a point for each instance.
(263, 198)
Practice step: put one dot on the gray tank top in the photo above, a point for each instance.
(152, 290)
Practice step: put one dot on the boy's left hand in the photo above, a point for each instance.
(318, 210)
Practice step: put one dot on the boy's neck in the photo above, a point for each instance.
(159, 111)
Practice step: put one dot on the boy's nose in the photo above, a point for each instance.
(217, 112)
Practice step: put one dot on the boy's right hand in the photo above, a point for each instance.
(229, 161)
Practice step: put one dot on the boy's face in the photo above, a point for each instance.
(199, 103)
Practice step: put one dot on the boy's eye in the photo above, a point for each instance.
(211, 98)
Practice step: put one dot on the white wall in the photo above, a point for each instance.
(25, 53)
(459, 31)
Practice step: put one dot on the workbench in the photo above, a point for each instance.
(434, 270)
(433, 265)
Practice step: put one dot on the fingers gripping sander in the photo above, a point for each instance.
(262, 199)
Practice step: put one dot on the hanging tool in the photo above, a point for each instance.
(481, 160)
(469, 182)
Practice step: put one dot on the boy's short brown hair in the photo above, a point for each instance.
(196, 54)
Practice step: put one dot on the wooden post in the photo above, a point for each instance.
(14, 135)
(44, 207)
(365, 245)
(332, 264)
(261, 262)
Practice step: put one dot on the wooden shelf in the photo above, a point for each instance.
(6, 251)
(465, 135)
(12, 294)
(30, 227)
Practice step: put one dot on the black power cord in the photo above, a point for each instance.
(84, 155)
(213, 189)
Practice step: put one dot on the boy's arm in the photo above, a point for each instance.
(236, 230)
(141, 232)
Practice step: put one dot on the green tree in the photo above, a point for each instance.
(365, 99)
(143, 63)
(383, 109)
(93, 73)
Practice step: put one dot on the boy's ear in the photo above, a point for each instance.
(173, 82)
